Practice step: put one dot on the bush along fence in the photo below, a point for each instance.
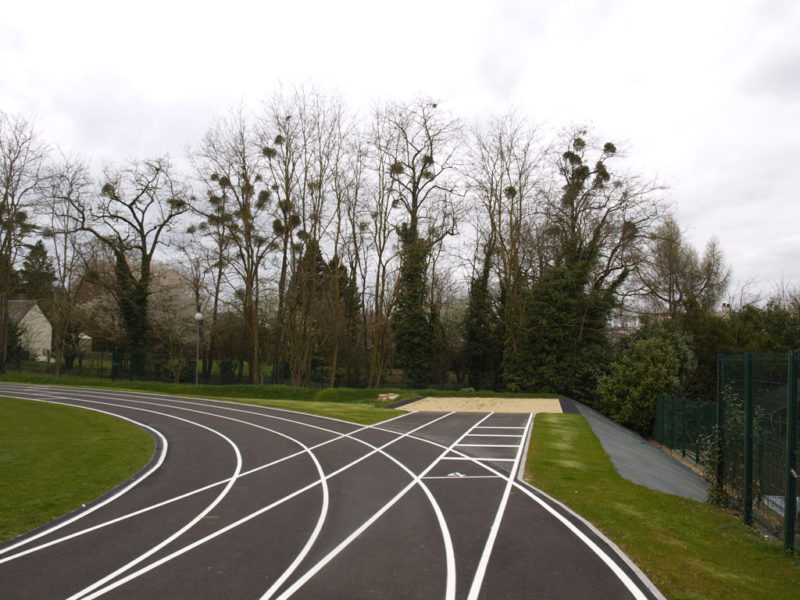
(756, 445)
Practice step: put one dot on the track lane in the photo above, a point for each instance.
(406, 462)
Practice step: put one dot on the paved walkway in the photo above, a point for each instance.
(640, 462)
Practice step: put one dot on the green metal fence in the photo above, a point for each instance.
(685, 425)
(757, 445)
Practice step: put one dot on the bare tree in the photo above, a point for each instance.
(506, 170)
(421, 143)
(230, 159)
(379, 302)
(672, 272)
(22, 155)
(136, 207)
(596, 213)
(348, 261)
(67, 184)
(304, 139)
(321, 128)
(282, 146)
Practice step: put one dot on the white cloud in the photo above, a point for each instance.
(701, 94)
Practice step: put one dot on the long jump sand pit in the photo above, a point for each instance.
(483, 405)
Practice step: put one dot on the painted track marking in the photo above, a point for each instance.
(450, 589)
(83, 593)
(339, 436)
(624, 578)
(600, 552)
(480, 572)
(450, 556)
(245, 519)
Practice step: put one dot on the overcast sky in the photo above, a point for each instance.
(702, 94)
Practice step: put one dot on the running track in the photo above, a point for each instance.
(242, 501)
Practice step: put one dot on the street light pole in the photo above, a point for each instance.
(198, 316)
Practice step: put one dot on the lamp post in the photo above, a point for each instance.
(198, 316)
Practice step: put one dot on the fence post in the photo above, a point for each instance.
(720, 432)
(672, 443)
(790, 500)
(748, 439)
(683, 427)
(658, 425)
(697, 428)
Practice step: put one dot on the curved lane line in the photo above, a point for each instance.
(450, 593)
(82, 593)
(306, 450)
(245, 519)
(625, 579)
(187, 494)
(152, 469)
(480, 572)
(446, 537)
(634, 589)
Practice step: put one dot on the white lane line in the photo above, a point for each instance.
(162, 455)
(624, 578)
(450, 589)
(503, 435)
(237, 470)
(205, 488)
(325, 491)
(182, 496)
(480, 572)
(479, 459)
(249, 517)
(446, 538)
(635, 591)
(456, 477)
(488, 445)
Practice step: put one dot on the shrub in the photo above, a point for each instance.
(645, 370)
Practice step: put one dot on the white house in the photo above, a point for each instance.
(36, 333)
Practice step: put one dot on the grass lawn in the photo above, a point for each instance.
(54, 458)
(690, 550)
(364, 414)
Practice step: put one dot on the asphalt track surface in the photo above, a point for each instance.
(241, 501)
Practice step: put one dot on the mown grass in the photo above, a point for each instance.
(359, 406)
(367, 396)
(54, 458)
(264, 392)
(690, 550)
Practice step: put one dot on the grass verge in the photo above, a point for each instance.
(54, 458)
(689, 550)
(358, 406)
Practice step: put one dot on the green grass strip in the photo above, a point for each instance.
(55, 458)
(363, 414)
(690, 550)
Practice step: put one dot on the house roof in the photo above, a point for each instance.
(17, 309)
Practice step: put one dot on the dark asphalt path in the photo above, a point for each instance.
(242, 501)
